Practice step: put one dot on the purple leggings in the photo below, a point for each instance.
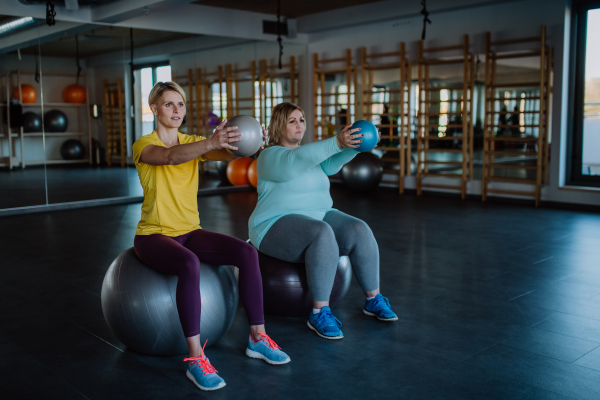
(182, 255)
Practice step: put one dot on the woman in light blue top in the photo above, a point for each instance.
(294, 219)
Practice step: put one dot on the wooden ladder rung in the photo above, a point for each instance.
(511, 180)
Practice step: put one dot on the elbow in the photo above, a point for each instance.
(170, 158)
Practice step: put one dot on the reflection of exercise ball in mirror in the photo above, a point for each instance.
(32, 122)
(74, 94)
(27, 91)
(364, 172)
(253, 174)
(72, 149)
(252, 135)
(55, 121)
(213, 120)
(237, 171)
(222, 170)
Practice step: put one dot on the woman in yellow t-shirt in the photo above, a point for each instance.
(169, 238)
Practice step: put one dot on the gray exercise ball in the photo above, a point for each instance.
(252, 135)
(364, 172)
(139, 305)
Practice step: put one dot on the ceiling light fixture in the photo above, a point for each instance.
(15, 24)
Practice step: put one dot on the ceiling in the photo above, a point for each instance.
(289, 9)
(104, 39)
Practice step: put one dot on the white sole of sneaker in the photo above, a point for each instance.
(323, 336)
(260, 356)
(191, 378)
(370, 314)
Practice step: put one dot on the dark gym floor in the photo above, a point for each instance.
(495, 301)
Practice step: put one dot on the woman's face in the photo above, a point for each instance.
(169, 109)
(295, 128)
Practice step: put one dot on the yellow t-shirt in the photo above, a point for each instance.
(170, 205)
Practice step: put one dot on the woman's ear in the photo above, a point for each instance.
(154, 109)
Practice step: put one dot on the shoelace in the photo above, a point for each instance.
(269, 341)
(380, 299)
(327, 318)
(202, 362)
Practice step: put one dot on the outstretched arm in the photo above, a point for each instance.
(334, 164)
(223, 138)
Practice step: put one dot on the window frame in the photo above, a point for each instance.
(574, 175)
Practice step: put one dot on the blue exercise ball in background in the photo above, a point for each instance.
(138, 303)
(72, 149)
(55, 121)
(370, 138)
(32, 122)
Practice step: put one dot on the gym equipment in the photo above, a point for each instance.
(138, 303)
(327, 119)
(285, 289)
(27, 91)
(370, 138)
(74, 94)
(55, 121)
(252, 135)
(32, 122)
(72, 149)
(364, 172)
(222, 170)
(252, 174)
(114, 116)
(399, 104)
(237, 171)
(213, 119)
(435, 136)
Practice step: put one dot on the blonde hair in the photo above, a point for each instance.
(162, 87)
(279, 119)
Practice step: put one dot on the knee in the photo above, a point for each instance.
(247, 252)
(190, 268)
(322, 232)
(360, 230)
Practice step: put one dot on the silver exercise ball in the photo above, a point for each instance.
(364, 172)
(252, 135)
(138, 303)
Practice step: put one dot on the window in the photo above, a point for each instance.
(144, 79)
(585, 143)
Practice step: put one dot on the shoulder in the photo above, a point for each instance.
(146, 140)
(183, 138)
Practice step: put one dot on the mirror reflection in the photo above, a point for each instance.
(22, 157)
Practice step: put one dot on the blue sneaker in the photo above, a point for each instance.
(379, 307)
(266, 349)
(202, 373)
(325, 324)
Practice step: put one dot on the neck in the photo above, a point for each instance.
(289, 145)
(167, 135)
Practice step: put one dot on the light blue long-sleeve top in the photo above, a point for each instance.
(295, 182)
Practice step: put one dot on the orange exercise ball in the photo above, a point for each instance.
(252, 177)
(237, 171)
(74, 94)
(28, 92)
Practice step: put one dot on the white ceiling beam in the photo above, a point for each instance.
(72, 4)
(42, 34)
(120, 11)
(382, 11)
(213, 21)
(165, 50)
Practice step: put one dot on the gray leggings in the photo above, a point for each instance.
(297, 238)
